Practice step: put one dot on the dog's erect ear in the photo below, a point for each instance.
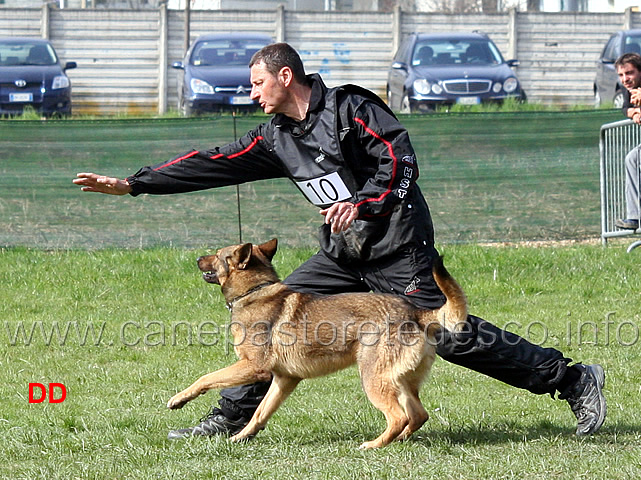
(242, 255)
(269, 248)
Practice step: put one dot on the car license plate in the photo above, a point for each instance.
(468, 100)
(241, 100)
(21, 97)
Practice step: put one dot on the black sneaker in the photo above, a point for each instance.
(214, 423)
(586, 399)
(627, 223)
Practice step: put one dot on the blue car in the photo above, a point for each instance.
(31, 75)
(215, 73)
(431, 70)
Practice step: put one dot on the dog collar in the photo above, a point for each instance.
(230, 304)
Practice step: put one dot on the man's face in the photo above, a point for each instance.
(629, 76)
(269, 90)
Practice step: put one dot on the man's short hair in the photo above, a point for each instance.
(279, 55)
(631, 58)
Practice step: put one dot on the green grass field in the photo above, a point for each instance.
(124, 330)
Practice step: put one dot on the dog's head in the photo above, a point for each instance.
(242, 265)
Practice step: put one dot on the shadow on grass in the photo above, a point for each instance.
(495, 434)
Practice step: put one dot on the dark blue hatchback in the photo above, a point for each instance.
(430, 70)
(31, 75)
(216, 73)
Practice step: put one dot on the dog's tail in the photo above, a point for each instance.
(453, 314)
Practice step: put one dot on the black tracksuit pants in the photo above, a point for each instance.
(481, 346)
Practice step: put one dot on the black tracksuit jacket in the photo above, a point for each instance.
(350, 147)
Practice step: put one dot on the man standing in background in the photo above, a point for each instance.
(628, 68)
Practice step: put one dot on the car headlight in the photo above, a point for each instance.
(201, 86)
(437, 89)
(422, 86)
(510, 85)
(496, 88)
(60, 81)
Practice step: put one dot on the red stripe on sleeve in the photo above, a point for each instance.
(249, 147)
(176, 160)
(195, 152)
(242, 152)
(394, 159)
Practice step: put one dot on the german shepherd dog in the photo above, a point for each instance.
(287, 336)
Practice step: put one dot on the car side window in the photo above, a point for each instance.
(401, 54)
(610, 53)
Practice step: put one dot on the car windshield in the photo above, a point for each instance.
(456, 52)
(26, 53)
(632, 45)
(225, 52)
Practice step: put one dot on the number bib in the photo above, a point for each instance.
(313, 157)
(325, 190)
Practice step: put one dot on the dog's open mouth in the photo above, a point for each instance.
(210, 277)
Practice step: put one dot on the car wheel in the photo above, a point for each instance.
(597, 98)
(523, 97)
(618, 99)
(406, 107)
(184, 108)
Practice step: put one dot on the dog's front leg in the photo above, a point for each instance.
(278, 392)
(242, 372)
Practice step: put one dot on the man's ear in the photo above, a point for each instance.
(286, 76)
(269, 248)
(242, 256)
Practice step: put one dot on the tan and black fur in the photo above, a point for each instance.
(289, 336)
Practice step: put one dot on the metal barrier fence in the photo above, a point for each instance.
(617, 139)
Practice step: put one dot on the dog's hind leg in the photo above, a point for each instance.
(278, 392)
(416, 413)
(383, 394)
(409, 384)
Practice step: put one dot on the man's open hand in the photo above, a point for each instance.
(91, 182)
(340, 216)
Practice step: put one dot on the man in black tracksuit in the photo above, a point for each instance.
(349, 155)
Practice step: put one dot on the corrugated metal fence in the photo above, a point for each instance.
(124, 56)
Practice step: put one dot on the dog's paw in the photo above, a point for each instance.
(369, 445)
(177, 401)
(239, 437)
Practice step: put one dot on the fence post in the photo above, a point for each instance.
(280, 23)
(45, 22)
(396, 28)
(512, 35)
(187, 26)
(627, 19)
(162, 63)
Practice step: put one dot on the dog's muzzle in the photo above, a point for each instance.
(211, 277)
(208, 275)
